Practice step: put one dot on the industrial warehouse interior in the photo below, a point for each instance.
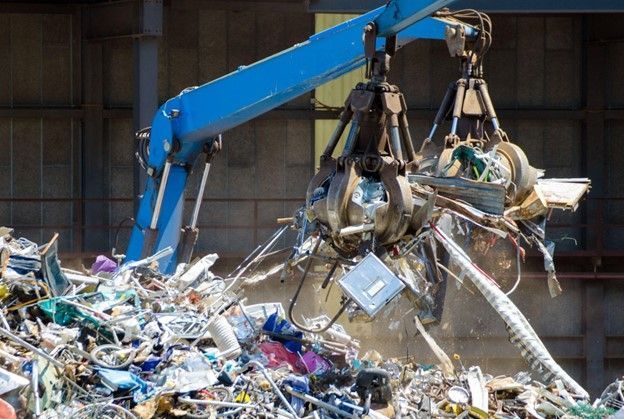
(311, 209)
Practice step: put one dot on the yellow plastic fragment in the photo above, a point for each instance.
(242, 397)
(4, 291)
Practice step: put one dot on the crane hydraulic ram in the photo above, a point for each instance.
(192, 122)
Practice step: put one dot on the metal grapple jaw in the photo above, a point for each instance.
(365, 189)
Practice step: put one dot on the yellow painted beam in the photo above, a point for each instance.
(334, 93)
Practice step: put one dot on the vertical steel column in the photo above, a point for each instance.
(76, 100)
(145, 99)
(95, 173)
(594, 150)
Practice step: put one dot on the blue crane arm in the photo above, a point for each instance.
(184, 124)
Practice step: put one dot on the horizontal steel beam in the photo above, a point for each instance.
(413, 113)
(491, 6)
(41, 112)
(37, 7)
(276, 6)
(123, 19)
(311, 114)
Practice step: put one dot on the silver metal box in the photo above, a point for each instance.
(371, 284)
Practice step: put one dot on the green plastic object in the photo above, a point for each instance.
(64, 314)
(467, 155)
(586, 411)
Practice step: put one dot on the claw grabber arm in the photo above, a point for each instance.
(191, 123)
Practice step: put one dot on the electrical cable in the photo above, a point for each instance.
(142, 153)
(293, 301)
(118, 229)
(484, 26)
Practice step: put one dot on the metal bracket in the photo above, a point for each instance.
(455, 37)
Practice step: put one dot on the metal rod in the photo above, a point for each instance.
(489, 106)
(454, 125)
(3, 319)
(322, 404)
(395, 142)
(350, 143)
(161, 194)
(407, 137)
(250, 258)
(217, 403)
(459, 104)
(445, 106)
(34, 377)
(28, 346)
(345, 117)
(275, 387)
(330, 274)
(266, 246)
(333, 140)
(495, 124)
(362, 228)
(443, 110)
(434, 128)
(200, 195)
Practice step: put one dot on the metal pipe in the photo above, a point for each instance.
(28, 346)
(217, 403)
(200, 195)
(34, 377)
(275, 387)
(252, 255)
(322, 404)
(229, 413)
(347, 231)
(161, 194)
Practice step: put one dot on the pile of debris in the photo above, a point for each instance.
(130, 342)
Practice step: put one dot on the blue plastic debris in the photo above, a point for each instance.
(277, 325)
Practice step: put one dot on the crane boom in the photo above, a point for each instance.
(187, 124)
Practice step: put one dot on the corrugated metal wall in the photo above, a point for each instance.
(38, 149)
(262, 172)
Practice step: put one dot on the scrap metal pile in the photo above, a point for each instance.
(130, 342)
